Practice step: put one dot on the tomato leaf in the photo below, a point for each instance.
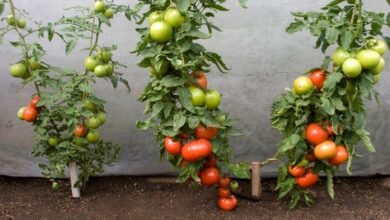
(179, 121)
(346, 39)
(173, 81)
(295, 27)
(183, 5)
(329, 183)
(185, 98)
(364, 136)
(289, 143)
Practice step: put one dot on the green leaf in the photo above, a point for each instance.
(173, 81)
(346, 39)
(364, 136)
(193, 122)
(289, 143)
(185, 99)
(239, 170)
(157, 108)
(295, 197)
(327, 106)
(70, 45)
(179, 121)
(332, 80)
(143, 125)
(198, 34)
(183, 5)
(331, 35)
(243, 3)
(295, 27)
(329, 183)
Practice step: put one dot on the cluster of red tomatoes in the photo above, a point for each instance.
(324, 149)
(29, 113)
(226, 201)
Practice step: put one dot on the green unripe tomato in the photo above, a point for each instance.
(109, 13)
(377, 77)
(52, 141)
(304, 162)
(11, 20)
(109, 69)
(221, 119)
(339, 56)
(93, 122)
(90, 106)
(100, 71)
(197, 96)
(55, 185)
(369, 59)
(155, 16)
(90, 63)
(105, 55)
(173, 17)
(352, 68)
(303, 85)
(93, 136)
(21, 23)
(160, 32)
(212, 99)
(380, 47)
(381, 66)
(99, 6)
(101, 117)
(34, 64)
(18, 70)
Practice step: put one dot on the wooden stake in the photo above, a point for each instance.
(256, 179)
(73, 179)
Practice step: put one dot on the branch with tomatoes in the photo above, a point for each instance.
(323, 118)
(64, 111)
(191, 130)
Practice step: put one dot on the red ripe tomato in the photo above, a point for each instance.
(315, 134)
(34, 101)
(311, 157)
(224, 182)
(171, 146)
(80, 131)
(318, 77)
(201, 79)
(308, 179)
(205, 132)
(196, 150)
(224, 193)
(341, 156)
(211, 161)
(30, 114)
(325, 150)
(227, 204)
(296, 171)
(329, 128)
(209, 176)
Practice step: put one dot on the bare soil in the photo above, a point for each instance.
(160, 198)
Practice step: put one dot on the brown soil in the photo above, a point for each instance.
(151, 198)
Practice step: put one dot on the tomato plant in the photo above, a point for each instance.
(64, 111)
(325, 125)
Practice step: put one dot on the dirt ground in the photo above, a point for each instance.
(160, 198)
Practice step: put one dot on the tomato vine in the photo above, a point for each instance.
(324, 117)
(181, 109)
(64, 111)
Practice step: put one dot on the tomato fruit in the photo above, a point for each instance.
(224, 193)
(227, 204)
(101, 117)
(11, 20)
(90, 106)
(109, 69)
(18, 70)
(155, 16)
(315, 134)
(381, 66)
(52, 141)
(339, 56)
(205, 132)
(21, 23)
(30, 114)
(211, 161)
(93, 136)
(325, 150)
(105, 55)
(20, 113)
(341, 156)
(173, 17)
(34, 101)
(380, 47)
(209, 176)
(109, 13)
(80, 131)
(34, 64)
(90, 63)
(212, 99)
(93, 123)
(369, 59)
(311, 157)
(224, 182)
(171, 146)
(100, 71)
(201, 79)
(160, 31)
(197, 96)
(304, 162)
(302, 85)
(296, 171)
(196, 150)
(308, 179)
(99, 6)
(318, 78)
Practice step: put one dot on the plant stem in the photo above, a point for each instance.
(21, 38)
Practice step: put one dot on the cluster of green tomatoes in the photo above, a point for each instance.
(162, 24)
(100, 64)
(101, 7)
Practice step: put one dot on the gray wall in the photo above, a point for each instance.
(263, 59)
